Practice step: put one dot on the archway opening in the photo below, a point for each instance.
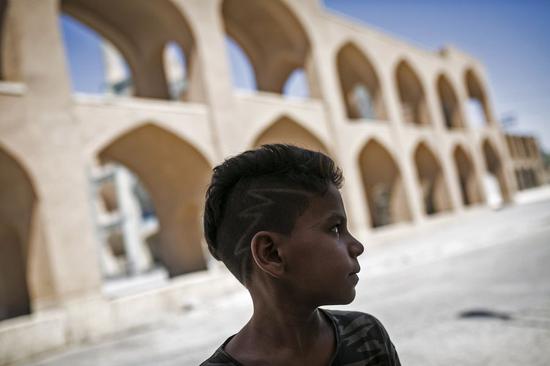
(494, 180)
(17, 206)
(469, 189)
(477, 107)
(433, 189)
(273, 40)
(242, 71)
(127, 223)
(140, 30)
(286, 131)
(411, 95)
(384, 189)
(448, 100)
(359, 84)
(296, 84)
(175, 175)
(175, 68)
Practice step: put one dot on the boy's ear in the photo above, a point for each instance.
(266, 253)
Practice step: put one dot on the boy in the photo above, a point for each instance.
(275, 217)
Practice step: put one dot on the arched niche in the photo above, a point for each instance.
(433, 189)
(273, 39)
(450, 108)
(285, 131)
(478, 108)
(176, 175)
(495, 170)
(414, 108)
(469, 188)
(360, 86)
(17, 211)
(383, 185)
(140, 29)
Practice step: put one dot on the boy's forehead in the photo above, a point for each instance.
(324, 206)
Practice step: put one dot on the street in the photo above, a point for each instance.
(474, 290)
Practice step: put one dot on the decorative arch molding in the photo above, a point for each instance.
(383, 185)
(176, 176)
(136, 29)
(476, 91)
(107, 137)
(450, 106)
(470, 191)
(411, 93)
(18, 202)
(433, 189)
(355, 70)
(494, 166)
(252, 25)
(286, 130)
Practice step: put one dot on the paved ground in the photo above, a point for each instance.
(420, 283)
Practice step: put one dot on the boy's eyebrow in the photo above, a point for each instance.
(330, 216)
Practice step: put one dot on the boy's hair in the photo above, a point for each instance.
(262, 189)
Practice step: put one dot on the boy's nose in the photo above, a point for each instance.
(356, 248)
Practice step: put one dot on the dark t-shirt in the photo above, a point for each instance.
(360, 340)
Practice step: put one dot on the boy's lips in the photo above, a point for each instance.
(356, 270)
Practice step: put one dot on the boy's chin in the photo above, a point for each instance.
(342, 299)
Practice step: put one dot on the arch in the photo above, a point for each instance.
(140, 29)
(414, 108)
(383, 186)
(273, 39)
(360, 85)
(433, 189)
(176, 175)
(478, 113)
(493, 164)
(469, 188)
(17, 209)
(286, 131)
(450, 107)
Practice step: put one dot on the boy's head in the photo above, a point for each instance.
(265, 191)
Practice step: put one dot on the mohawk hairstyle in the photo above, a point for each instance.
(262, 189)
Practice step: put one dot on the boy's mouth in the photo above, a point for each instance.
(356, 270)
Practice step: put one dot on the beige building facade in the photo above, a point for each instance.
(392, 115)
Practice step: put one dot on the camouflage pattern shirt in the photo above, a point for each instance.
(361, 340)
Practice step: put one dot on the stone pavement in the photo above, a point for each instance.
(419, 282)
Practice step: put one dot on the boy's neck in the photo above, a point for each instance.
(295, 330)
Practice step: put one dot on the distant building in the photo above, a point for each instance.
(527, 161)
(101, 196)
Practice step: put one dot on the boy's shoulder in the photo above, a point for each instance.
(360, 337)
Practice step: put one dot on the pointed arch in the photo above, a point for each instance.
(140, 29)
(479, 112)
(495, 169)
(253, 25)
(383, 185)
(17, 216)
(414, 108)
(176, 175)
(469, 188)
(450, 108)
(359, 83)
(286, 131)
(433, 189)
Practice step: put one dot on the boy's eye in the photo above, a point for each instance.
(335, 229)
